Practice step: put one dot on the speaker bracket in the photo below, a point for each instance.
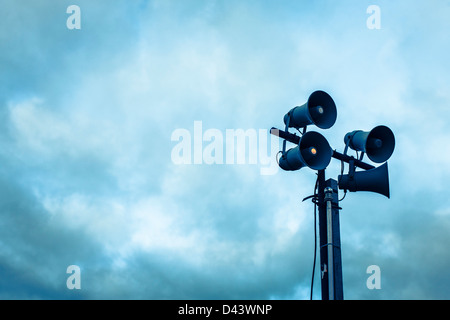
(361, 156)
(286, 131)
(351, 169)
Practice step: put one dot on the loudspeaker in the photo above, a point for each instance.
(374, 180)
(320, 110)
(378, 143)
(312, 151)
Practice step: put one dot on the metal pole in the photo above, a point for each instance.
(329, 201)
(333, 208)
(323, 234)
(331, 284)
(330, 239)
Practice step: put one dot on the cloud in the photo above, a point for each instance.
(87, 177)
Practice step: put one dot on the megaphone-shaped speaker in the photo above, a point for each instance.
(374, 180)
(312, 151)
(319, 110)
(377, 143)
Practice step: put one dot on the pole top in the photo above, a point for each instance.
(328, 194)
(328, 190)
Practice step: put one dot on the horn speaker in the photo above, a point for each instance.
(313, 151)
(378, 143)
(373, 180)
(320, 110)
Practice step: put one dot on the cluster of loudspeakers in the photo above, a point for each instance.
(314, 151)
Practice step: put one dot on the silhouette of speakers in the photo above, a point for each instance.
(378, 143)
(373, 180)
(312, 151)
(320, 110)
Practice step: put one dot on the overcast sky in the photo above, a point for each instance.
(87, 176)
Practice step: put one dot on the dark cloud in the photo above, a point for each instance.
(35, 251)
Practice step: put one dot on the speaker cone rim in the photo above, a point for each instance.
(384, 133)
(329, 116)
(321, 144)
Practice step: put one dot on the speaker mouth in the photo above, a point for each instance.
(315, 150)
(380, 144)
(322, 109)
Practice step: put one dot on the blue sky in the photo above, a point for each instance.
(87, 177)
